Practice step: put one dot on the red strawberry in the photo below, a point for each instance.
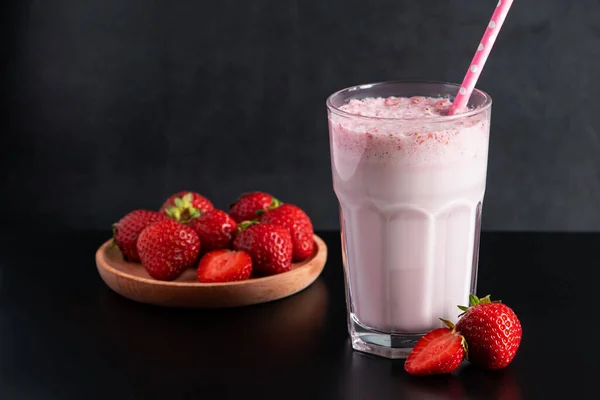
(215, 229)
(299, 225)
(439, 352)
(224, 266)
(128, 229)
(492, 331)
(269, 246)
(246, 207)
(167, 248)
(184, 206)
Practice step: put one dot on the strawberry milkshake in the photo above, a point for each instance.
(410, 181)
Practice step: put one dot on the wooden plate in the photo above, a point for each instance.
(132, 281)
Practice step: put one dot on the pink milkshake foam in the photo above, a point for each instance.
(421, 139)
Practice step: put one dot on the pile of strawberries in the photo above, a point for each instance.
(259, 236)
(488, 334)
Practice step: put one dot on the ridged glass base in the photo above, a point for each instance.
(388, 345)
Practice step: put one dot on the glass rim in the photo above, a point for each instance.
(440, 118)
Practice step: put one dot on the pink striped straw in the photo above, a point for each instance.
(481, 55)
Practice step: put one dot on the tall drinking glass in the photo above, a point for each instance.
(410, 189)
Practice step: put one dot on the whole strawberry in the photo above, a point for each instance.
(299, 225)
(492, 331)
(215, 229)
(128, 229)
(439, 352)
(167, 248)
(185, 206)
(247, 206)
(224, 266)
(269, 246)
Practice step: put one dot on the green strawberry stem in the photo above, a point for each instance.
(475, 301)
(449, 324)
(245, 224)
(115, 228)
(465, 346)
(463, 341)
(183, 211)
(274, 204)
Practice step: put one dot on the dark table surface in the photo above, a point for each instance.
(65, 335)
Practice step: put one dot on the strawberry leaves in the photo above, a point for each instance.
(183, 210)
(475, 301)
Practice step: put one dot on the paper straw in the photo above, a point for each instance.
(481, 55)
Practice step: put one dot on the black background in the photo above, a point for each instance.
(110, 105)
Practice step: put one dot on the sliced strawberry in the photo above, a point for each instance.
(439, 352)
(224, 266)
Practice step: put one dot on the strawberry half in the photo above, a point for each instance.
(438, 352)
(167, 248)
(246, 207)
(185, 206)
(215, 229)
(298, 223)
(128, 229)
(269, 246)
(224, 266)
(492, 331)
